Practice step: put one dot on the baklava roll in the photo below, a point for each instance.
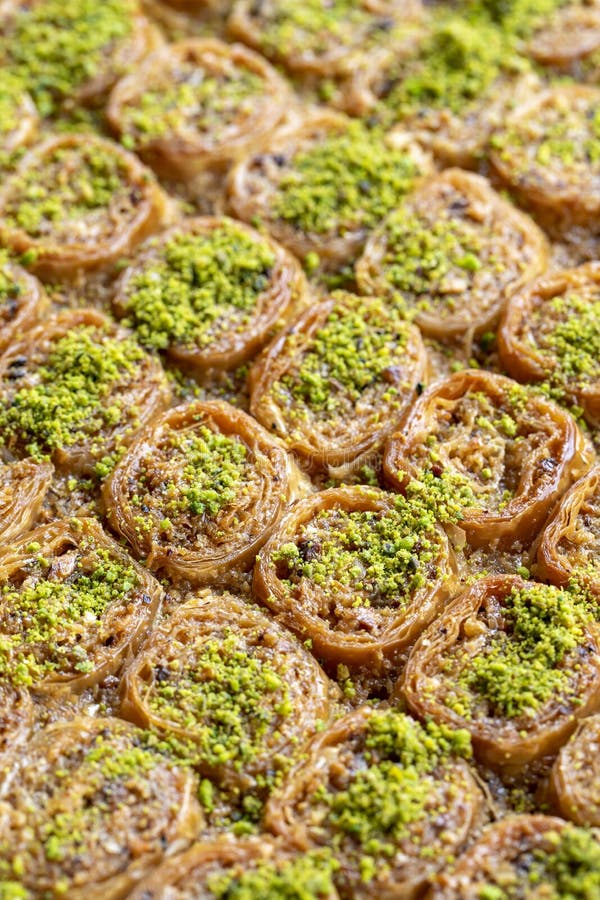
(194, 107)
(210, 293)
(569, 549)
(504, 452)
(73, 606)
(356, 572)
(455, 88)
(548, 154)
(23, 487)
(526, 856)
(70, 54)
(76, 389)
(336, 48)
(199, 492)
(322, 183)
(516, 663)
(550, 333)
(574, 788)
(391, 798)
(338, 381)
(232, 688)
(88, 810)
(77, 202)
(568, 42)
(18, 116)
(22, 302)
(453, 252)
(230, 869)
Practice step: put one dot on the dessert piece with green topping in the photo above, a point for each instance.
(393, 799)
(198, 492)
(91, 810)
(357, 571)
(18, 118)
(209, 292)
(321, 185)
(333, 386)
(229, 691)
(72, 605)
(69, 53)
(75, 390)
(514, 662)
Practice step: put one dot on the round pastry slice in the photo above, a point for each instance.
(199, 491)
(88, 810)
(77, 202)
(548, 153)
(196, 106)
(338, 381)
(514, 662)
(16, 723)
(210, 292)
(506, 453)
(337, 47)
(575, 778)
(230, 869)
(76, 389)
(456, 86)
(550, 333)
(391, 798)
(570, 546)
(73, 605)
(453, 251)
(526, 856)
(322, 183)
(237, 691)
(569, 41)
(18, 115)
(22, 302)
(357, 572)
(23, 487)
(70, 54)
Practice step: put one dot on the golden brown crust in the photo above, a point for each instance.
(64, 625)
(89, 808)
(355, 624)
(138, 392)
(488, 251)
(570, 543)
(218, 521)
(507, 734)
(205, 139)
(574, 788)
(23, 302)
(349, 420)
(515, 452)
(300, 813)
(16, 722)
(23, 487)
(260, 707)
(545, 154)
(569, 37)
(227, 344)
(532, 349)
(60, 246)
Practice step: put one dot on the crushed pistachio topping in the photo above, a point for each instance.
(306, 877)
(316, 26)
(523, 666)
(11, 103)
(517, 18)
(347, 181)
(197, 287)
(75, 396)
(70, 187)
(229, 701)
(54, 48)
(383, 798)
(44, 621)
(568, 869)
(384, 556)
(356, 348)
(566, 333)
(196, 103)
